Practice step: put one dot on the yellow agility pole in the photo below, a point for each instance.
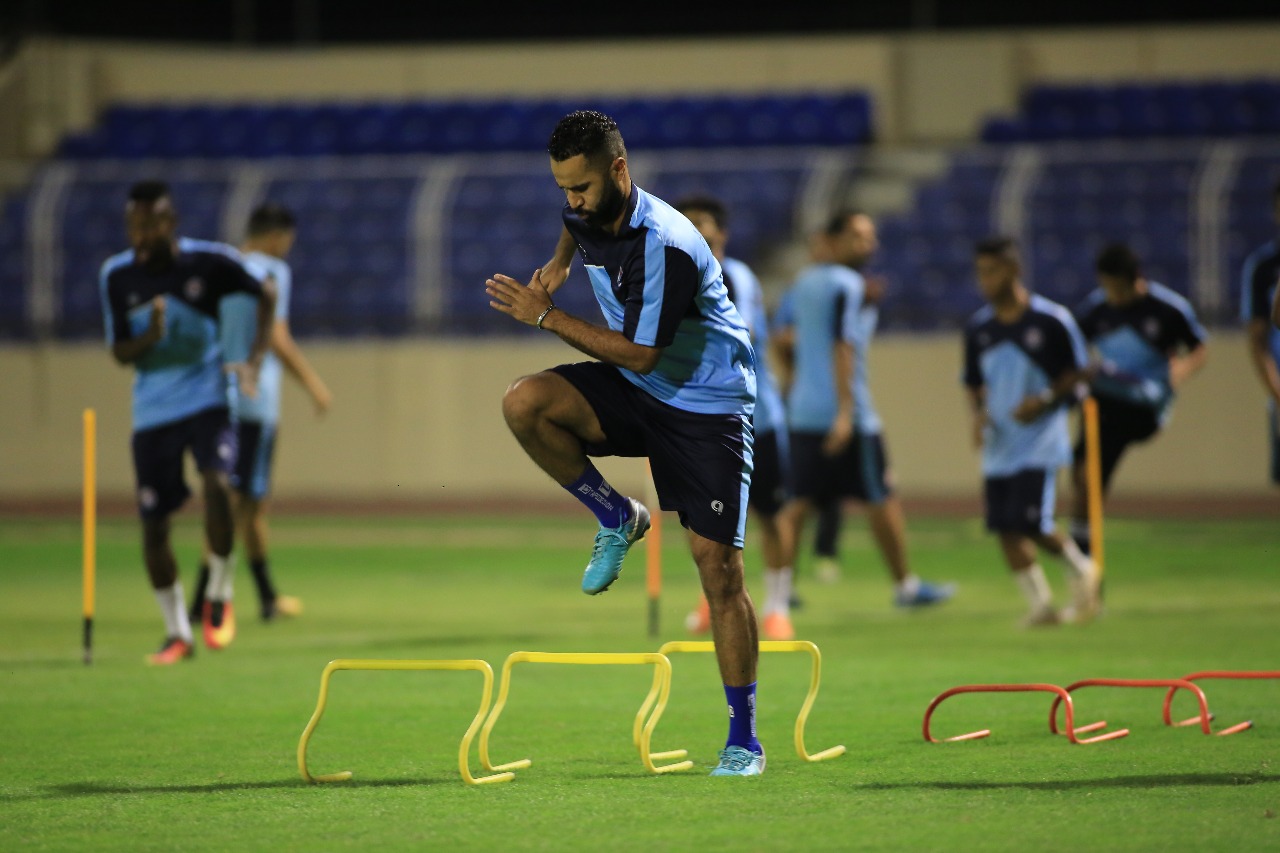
(1093, 477)
(642, 735)
(815, 680)
(89, 521)
(464, 749)
(653, 556)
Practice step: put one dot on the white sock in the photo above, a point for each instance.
(1034, 587)
(174, 607)
(777, 591)
(909, 585)
(221, 575)
(1076, 559)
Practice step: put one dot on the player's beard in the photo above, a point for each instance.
(612, 201)
(158, 256)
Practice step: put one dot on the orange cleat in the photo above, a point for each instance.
(699, 621)
(219, 624)
(174, 649)
(777, 626)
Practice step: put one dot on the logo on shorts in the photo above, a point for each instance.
(194, 288)
(717, 507)
(147, 498)
(1034, 338)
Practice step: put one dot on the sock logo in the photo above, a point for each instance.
(731, 712)
(717, 507)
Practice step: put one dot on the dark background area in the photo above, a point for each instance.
(281, 22)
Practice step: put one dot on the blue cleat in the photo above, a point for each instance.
(612, 544)
(739, 761)
(926, 593)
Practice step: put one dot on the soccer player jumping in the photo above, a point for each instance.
(674, 380)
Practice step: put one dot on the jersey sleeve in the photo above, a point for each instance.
(848, 303)
(228, 276)
(660, 288)
(283, 280)
(115, 313)
(1074, 353)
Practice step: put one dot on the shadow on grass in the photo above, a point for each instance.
(94, 789)
(1171, 780)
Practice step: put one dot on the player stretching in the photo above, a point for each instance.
(674, 380)
(271, 233)
(1149, 342)
(160, 306)
(1023, 358)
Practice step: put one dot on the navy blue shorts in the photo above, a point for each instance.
(701, 463)
(257, 447)
(861, 471)
(158, 455)
(771, 479)
(1022, 502)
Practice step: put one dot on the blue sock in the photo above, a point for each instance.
(742, 717)
(599, 497)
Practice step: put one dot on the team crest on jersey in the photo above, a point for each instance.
(1033, 339)
(133, 299)
(1151, 328)
(194, 288)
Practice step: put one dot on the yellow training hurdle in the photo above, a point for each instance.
(663, 690)
(642, 731)
(400, 666)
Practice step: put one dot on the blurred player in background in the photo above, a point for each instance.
(674, 381)
(1260, 299)
(1148, 343)
(770, 477)
(1023, 359)
(837, 447)
(269, 239)
(160, 301)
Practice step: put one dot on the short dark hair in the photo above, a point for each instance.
(148, 192)
(270, 217)
(586, 132)
(999, 246)
(839, 220)
(709, 205)
(1119, 260)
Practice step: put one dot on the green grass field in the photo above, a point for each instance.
(119, 756)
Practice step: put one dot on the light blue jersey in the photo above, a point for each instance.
(181, 375)
(658, 284)
(826, 306)
(1013, 361)
(748, 296)
(265, 408)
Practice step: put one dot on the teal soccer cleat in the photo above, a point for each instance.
(612, 544)
(739, 761)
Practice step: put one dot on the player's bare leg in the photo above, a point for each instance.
(162, 569)
(1020, 554)
(889, 529)
(733, 628)
(1082, 575)
(552, 420)
(219, 531)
